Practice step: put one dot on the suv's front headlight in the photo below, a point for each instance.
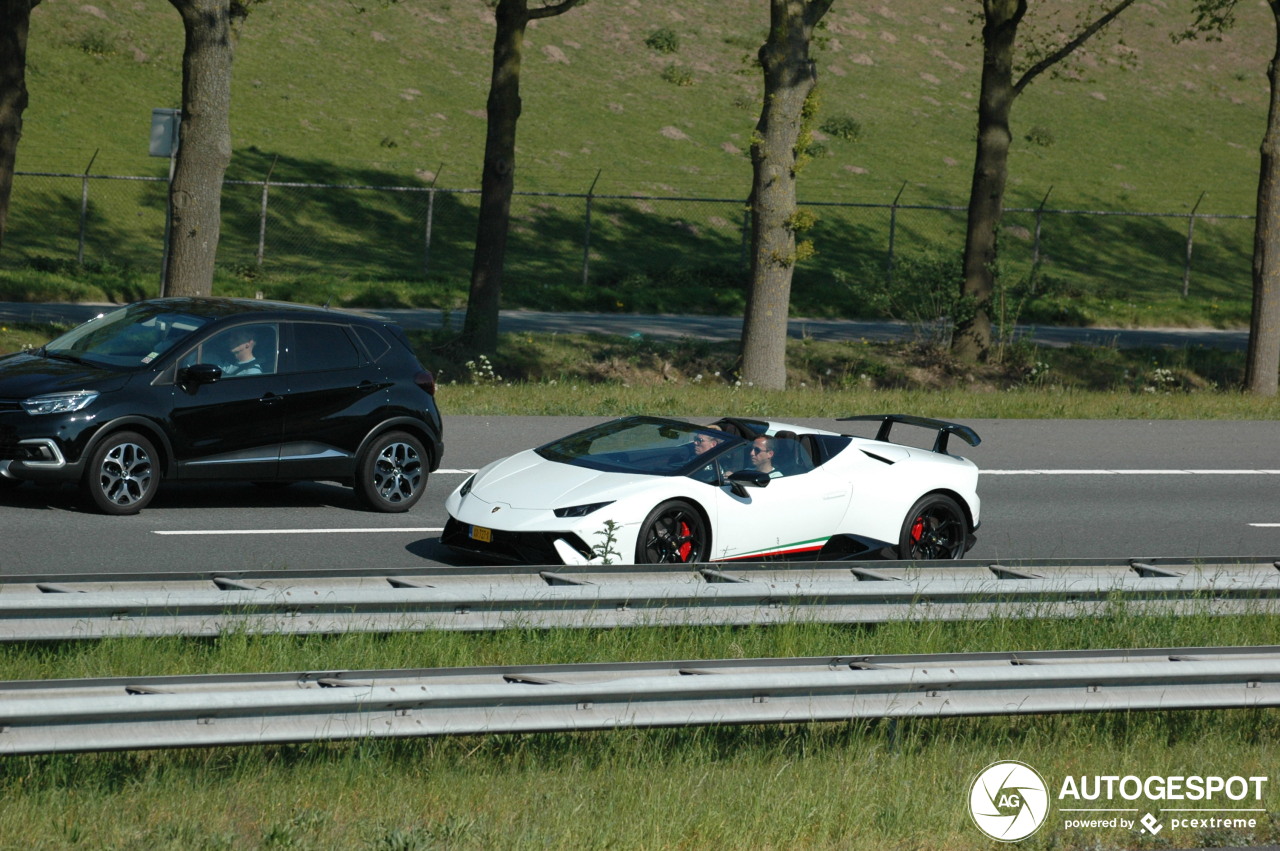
(59, 403)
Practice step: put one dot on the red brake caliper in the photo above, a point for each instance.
(686, 547)
(917, 530)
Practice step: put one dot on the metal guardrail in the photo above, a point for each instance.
(62, 607)
(156, 712)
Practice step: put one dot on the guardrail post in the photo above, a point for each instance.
(262, 215)
(1191, 229)
(586, 236)
(84, 209)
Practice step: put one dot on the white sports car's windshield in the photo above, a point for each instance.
(646, 445)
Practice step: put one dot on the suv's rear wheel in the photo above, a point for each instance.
(392, 472)
(123, 474)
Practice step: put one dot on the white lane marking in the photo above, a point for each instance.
(1130, 472)
(983, 472)
(292, 531)
(444, 472)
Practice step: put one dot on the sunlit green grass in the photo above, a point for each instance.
(1151, 126)
(861, 784)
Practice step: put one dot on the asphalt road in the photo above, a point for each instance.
(712, 327)
(1050, 489)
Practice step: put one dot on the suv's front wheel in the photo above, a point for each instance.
(123, 474)
(392, 473)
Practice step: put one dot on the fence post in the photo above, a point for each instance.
(84, 209)
(1040, 220)
(893, 229)
(431, 214)
(168, 223)
(1191, 229)
(586, 236)
(262, 216)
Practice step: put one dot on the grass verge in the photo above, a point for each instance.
(593, 375)
(856, 785)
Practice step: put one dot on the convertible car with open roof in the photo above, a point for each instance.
(649, 490)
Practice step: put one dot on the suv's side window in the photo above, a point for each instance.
(240, 351)
(318, 347)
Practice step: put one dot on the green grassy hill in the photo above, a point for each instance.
(394, 93)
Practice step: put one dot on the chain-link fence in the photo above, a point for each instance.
(415, 232)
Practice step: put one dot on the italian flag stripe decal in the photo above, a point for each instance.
(810, 546)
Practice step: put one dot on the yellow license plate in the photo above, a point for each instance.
(480, 533)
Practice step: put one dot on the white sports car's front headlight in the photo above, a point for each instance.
(581, 510)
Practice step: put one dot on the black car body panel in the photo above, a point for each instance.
(325, 385)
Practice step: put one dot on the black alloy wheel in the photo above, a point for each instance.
(673, 533)
(935, 528)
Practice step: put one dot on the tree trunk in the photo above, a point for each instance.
(789, 78)
(497, 180)
(972, 340)
(1263, 359)
(15, 21)
(204, 150)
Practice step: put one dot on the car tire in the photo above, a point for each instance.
(673, 533)
(935, 528)
(392, 472)
(123, 474)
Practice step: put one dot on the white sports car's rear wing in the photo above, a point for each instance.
(944, 428)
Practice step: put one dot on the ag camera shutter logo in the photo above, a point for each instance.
(1008, 801)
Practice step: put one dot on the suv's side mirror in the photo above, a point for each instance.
(201, 373)
(743, 479)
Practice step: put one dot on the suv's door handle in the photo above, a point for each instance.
(270, 398)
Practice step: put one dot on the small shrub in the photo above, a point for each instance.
(816, 150)
(677, 76)
(842, 127)
(1041, 136)
(94, 43)
(663, 40)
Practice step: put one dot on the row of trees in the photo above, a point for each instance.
(777, 156)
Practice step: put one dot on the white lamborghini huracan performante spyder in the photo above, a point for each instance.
(648, 490)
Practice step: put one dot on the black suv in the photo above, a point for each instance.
(212, 389)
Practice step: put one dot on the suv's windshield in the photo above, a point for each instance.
(646, 445)
(131, 337)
